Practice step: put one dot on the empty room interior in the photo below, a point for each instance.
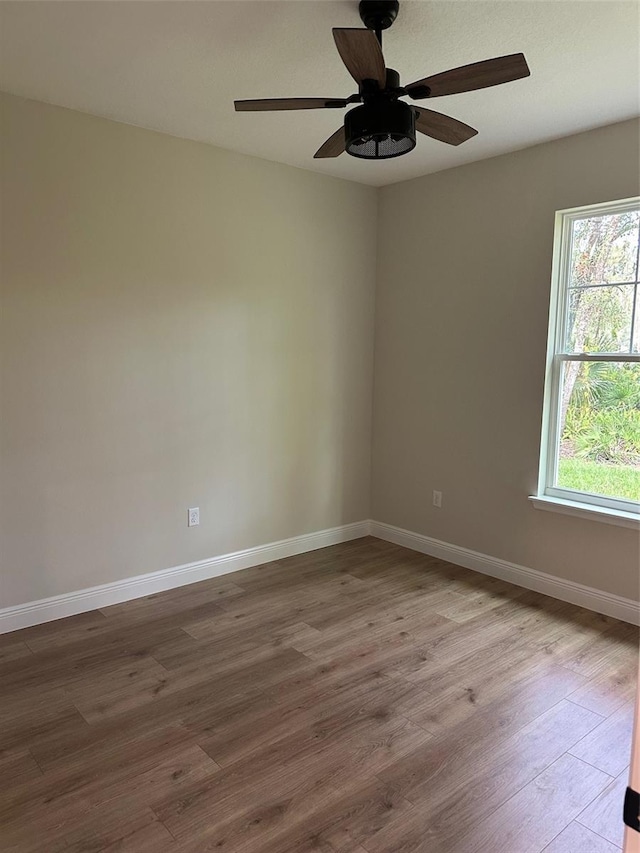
(319, 426)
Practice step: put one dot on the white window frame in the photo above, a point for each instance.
(614, 510)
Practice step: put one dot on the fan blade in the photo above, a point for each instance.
(289, 104)
(478, 75)
(333, 147)
(442, 127)
(361, 52)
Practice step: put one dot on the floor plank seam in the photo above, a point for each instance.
(595, 831)
(589, 764)
(163, 824)
(557, 835)
(36, 762)
(412, 722)
(161, 665)
(578, 705)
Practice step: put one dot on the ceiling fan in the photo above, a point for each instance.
(384, 126)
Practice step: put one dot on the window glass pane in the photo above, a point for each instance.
(599, 448)
(604, 249)
(600, 319)
(636, 326)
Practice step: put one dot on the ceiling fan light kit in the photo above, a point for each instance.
(377, 133)
(385, 126)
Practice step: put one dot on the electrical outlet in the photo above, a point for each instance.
(194, 516)
(437, 499)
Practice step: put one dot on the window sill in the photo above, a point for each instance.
(590, 511)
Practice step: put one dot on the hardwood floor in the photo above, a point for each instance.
(358, 699)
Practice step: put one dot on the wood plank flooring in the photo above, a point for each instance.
(358, 699)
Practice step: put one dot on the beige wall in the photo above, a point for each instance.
(461, 324)
(181, 326)
(185, 326)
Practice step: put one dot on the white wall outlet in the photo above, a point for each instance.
(437, 498)
(194, 516)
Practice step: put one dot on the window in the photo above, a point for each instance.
(590, 457)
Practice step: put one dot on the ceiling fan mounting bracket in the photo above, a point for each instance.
(378, 14)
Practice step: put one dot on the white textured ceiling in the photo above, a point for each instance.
(177, 67)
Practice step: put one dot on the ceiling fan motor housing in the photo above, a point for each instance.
(380, 130)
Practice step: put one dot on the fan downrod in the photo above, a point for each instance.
(378, 15)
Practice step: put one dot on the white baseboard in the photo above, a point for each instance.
(625, 609)
(69, 604)
(72, 603)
